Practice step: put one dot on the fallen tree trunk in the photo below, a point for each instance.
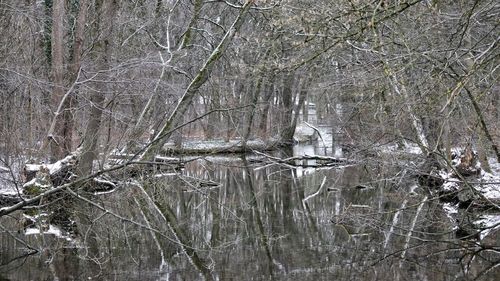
(220, 147)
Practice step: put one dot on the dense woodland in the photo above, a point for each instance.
(96, 81)
(105, 75)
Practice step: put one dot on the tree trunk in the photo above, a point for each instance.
(107, 11)
(484, 127)
(60, 135)
(300, 104)
(57, 139)
(286, 134)
(69, 122)
(268, 94)
(247, 127)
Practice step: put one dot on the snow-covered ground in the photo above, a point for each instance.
(494, 165)
(488, 185)
(409, 148)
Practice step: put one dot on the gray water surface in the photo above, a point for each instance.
(242, 219)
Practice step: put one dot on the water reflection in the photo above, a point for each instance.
(255, 224)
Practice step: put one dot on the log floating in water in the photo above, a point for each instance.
(219, 147)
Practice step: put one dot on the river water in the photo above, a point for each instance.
(239, 218)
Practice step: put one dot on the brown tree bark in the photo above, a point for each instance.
(56, 138)
(68, 117)
(247, 126)
(268, 94)
(484, 127)
(106, 10)
(60, 135)
(286, 134)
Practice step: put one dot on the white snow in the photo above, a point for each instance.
(106, 182)
(8, 190)
(490, 186)
(216, 145)
(52, 230)
(488, 223)
(55, 167)
(163, 175)
(495, 166)
(32, 167)
(36, 182)
(450, 209)
(451, 186)
(408, 148)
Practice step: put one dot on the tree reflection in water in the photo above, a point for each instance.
(362, 223)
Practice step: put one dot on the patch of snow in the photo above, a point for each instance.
(32, 231)
(490, 185)
(8, 189)
(301, 171)
(54, 168)
(105, 192)
(491, 191)
(163, 175)
(35, 217)
(32, 167)
(408, 148)
(52, 230)
(4, 170)
(413, 188)
(105, 182)
(444, 175)
(456, 152)
(450, 208)
(495, 166)
(413, 149)
(451, 186)
(36, 182)
(388, 148)
(488, 223)
(451, 211)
